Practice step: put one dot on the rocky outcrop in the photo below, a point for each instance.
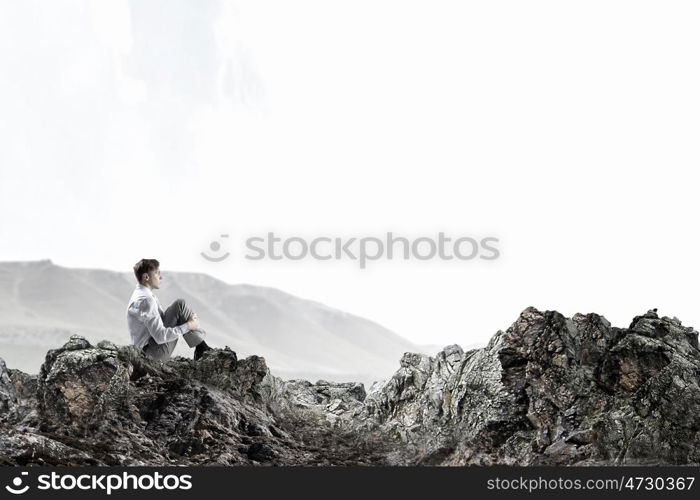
(109, 405)
(8, 398)
(548, 390)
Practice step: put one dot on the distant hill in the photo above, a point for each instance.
(42, 304)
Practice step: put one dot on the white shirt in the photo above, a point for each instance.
(143, 316)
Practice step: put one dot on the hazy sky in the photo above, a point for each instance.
(567, 129)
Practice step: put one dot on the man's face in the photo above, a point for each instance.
(154, 279)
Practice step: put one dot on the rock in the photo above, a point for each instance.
(549, 390)
(111, 405)
(23, 447)
(261, 452)
(8, 397)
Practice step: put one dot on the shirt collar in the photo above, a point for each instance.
(145, 289)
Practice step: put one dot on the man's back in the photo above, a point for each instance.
(144, 319)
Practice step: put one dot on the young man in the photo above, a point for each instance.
(153, 330)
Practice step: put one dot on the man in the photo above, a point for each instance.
(153, 330)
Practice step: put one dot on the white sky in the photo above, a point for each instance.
(567, 129)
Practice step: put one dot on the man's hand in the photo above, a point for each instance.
(193, 323)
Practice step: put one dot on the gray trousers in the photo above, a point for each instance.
(176, 314)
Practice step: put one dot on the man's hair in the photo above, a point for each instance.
(145, 266)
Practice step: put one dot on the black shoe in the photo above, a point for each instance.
(201, 348)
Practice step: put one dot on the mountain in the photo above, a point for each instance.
(549, 390)
(42, 305)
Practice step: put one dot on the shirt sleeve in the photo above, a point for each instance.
(149, 315)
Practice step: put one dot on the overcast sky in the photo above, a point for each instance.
(569, 130)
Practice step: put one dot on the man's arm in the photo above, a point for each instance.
(149, 315)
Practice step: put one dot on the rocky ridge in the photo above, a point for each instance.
(549, 390)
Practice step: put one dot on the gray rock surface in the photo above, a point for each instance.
(8, 398)
(110, 405)
(549, 390)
